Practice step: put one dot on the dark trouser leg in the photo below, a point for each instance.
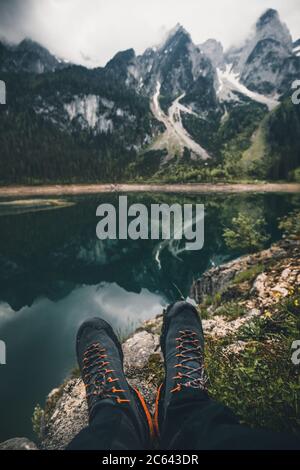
(111, 428)
(195, 422)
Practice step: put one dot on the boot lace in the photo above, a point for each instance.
(98, 377)
(189, 351)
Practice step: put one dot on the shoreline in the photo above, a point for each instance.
(80, 189)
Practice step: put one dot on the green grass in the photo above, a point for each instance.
(124, 332)
(290, 225)
(155, 370)
(249, 274)
(204, 313)
(231, 310)
(253, 158)
(213, 300)
(261, 384)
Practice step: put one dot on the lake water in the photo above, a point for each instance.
(55, 273)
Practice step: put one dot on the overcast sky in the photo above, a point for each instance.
(90, 32)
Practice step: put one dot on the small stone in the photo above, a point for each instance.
(138, 348)
(18, 443)
(235, 348)
(280, 290)
(286, 274)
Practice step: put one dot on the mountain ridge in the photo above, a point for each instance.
(210, 103)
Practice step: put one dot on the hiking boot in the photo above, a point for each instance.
(100, 359)
(182, 344)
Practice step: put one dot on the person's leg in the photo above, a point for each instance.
(118, 416)
(186, 418)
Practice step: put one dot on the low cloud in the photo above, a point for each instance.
(92, 32)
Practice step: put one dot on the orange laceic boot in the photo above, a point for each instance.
(100, 359)
(182, 344)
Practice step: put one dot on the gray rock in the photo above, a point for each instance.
(18, 443)
(219, 278)
(68, 415)
(138, 348)
(213, 49)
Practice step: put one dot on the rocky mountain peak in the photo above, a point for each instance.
(178, 29)
(122, 58)
(263, 58)
(28, 56)
(176, 35)
(177, 64)
(213, 49)
(270, 26)
(268, 16)
(29, 45)
(124, 67)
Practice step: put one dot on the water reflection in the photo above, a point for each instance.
(54, 273)
(41, 343)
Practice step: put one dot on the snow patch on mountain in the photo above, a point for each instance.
(107, 103)
(229, 84)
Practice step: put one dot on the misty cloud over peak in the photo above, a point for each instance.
(91, 33)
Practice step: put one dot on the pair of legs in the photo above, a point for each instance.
(185, 417)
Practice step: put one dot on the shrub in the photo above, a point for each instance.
(259, 384)
(246, 234)
(295, 175)
(290, 224)
(37, 420)
(249, 275)
(231, 309)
